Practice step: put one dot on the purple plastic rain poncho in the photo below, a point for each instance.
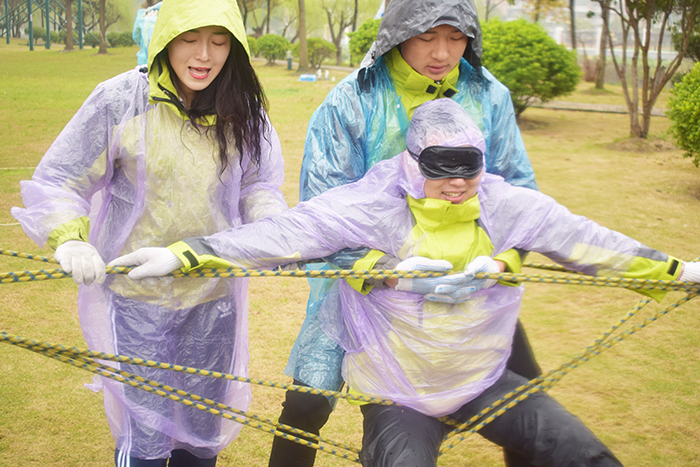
(433, 357)
(363, 121)
(146, 178)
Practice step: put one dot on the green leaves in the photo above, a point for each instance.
(530, 63)
(684, 112)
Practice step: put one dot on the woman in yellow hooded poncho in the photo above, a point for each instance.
(179, 148)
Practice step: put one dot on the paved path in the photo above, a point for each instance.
(618, 109)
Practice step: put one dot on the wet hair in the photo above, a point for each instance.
(237, 99)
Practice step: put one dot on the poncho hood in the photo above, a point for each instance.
(404, 19)
(178, 16)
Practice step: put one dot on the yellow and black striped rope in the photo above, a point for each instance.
(86, 358)
(75, 352)
(78, 359)
(547, 381)
(568, 279)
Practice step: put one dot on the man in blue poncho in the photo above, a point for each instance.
(425, 49)
(435, 202)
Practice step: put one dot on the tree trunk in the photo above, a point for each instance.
(244, 11)
(267, 20)
(303, 53)
(572, 17)
(69, 25)
(600, 67)
(103, 28)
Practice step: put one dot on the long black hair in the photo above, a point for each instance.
(237, 99)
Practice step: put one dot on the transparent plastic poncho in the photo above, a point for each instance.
(146, 178)
(432, 357)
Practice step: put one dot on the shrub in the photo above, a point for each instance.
(273, 47)
(62, 37)
(55, 37)
(318, 50)
(530, 63)
(684, 112)
(119, 39)
(38, 31)
(295, 50)
(91, 39)
(253, 46)
(361, 40)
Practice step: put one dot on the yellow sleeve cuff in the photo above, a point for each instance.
(644, 268)
(513, 262)
(365, 263)
(193, 260)
(77, 229)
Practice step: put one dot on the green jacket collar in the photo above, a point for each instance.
(432, 213)
(415, 89)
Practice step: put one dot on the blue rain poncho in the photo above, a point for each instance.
(362, 121)
(143, 29)
(433, 357)
(145, 177)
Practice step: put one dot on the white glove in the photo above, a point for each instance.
(422, 285)
(82, 260)
(458, 287)
(690, 272)
(151, 262)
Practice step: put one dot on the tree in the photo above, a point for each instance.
(273, 47)
(572, 20)
(636, 19)
(340, 16)
(303, 51)
(319, 50)
(693, 50)
(102, 13)
(683, 111)
(539, 8)
(490, 5)
(69, 25)
(600, 66)
(531, 64)
(361, 40)
(103, 28)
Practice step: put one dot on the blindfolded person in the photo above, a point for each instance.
(435, 204)
(181, 147)
(425, 49)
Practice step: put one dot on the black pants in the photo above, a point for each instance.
(538, 429)
(310, 412)
(178, 458)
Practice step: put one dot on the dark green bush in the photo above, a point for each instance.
(318, 50)
(39, 33)
(91, 39)
(253, 46)
(62, 37)
(531, 64)
(684, 112)
(119, 39)
(361, 40)
(273, 47)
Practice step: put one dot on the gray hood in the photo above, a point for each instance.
(404, 19)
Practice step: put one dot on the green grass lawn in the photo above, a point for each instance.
(640, 397)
